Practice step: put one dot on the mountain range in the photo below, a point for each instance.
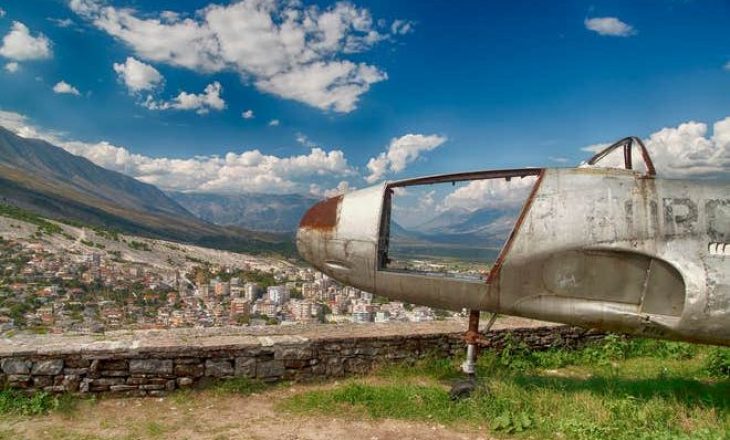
(261, 212)
(46, 179)
(40, 177)
(476, 235)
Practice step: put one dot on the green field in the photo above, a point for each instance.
(619, 389)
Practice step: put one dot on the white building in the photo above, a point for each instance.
(278, 294)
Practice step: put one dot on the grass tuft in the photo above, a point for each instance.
(717, 363)
(14, 402)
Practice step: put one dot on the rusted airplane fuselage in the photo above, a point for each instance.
(606, 248)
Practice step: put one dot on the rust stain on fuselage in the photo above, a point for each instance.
(323, 215)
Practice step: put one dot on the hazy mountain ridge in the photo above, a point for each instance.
(458, 233)
(262, 212)
(48, 180)
(53, 164)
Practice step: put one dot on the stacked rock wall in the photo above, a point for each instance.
(126, 369)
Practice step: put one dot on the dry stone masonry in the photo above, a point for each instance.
(154, 363)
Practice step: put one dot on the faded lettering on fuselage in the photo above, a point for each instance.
(718, 220)
(682, 217)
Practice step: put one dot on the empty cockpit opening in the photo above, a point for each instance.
(452, 226)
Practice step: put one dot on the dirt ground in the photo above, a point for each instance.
(208, 415)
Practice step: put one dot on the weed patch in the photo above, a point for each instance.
(16, 403)
(717, 363)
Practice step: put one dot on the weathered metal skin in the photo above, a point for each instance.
(597, 247)
(339, 236)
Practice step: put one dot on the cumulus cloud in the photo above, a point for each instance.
(609, 26)
(2, 12)
(20, 45)
(489, 193)
(169, 16)
(138, 76)
(342, 188)
(12, 67)
(335, 85)
(248, 171)
(202, 103)
(687, 150)
(64, 88)
(401, 152)
(248, 114)
(274, 123)
(285, 48)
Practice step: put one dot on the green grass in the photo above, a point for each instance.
(242, 386)
(630, 389)
(139, 245)
(13, 402)
(155, 429)
(44, 226)
(235, 386)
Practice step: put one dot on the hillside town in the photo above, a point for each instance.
(87, 287)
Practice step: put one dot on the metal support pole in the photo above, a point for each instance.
(464, 388)
(472, 338)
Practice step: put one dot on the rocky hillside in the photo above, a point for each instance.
(47, 180)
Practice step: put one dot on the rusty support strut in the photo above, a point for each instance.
(472, 339)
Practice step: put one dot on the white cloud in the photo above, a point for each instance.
(378, 167)
(169, 16)
(687, 150)
(2, 12)
(401, 27)
(609, 26)
(401, 152)
(248, 171)
(559, 159)
(727, 66)
(489, 193)
(16, 123)
(185, 43)
(63, 87)
(138, 76)
(274, 123)
(12, 67)
(342, 188)
(61, 22)
(20, 45)
(304, 140)
(285, 48)
(331, 85)
(202, 103)
(427, 201)
(248, 114)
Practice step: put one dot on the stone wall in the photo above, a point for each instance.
(127, 367)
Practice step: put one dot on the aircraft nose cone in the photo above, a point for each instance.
(316, 227)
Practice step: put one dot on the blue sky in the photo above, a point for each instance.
(476, 85)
